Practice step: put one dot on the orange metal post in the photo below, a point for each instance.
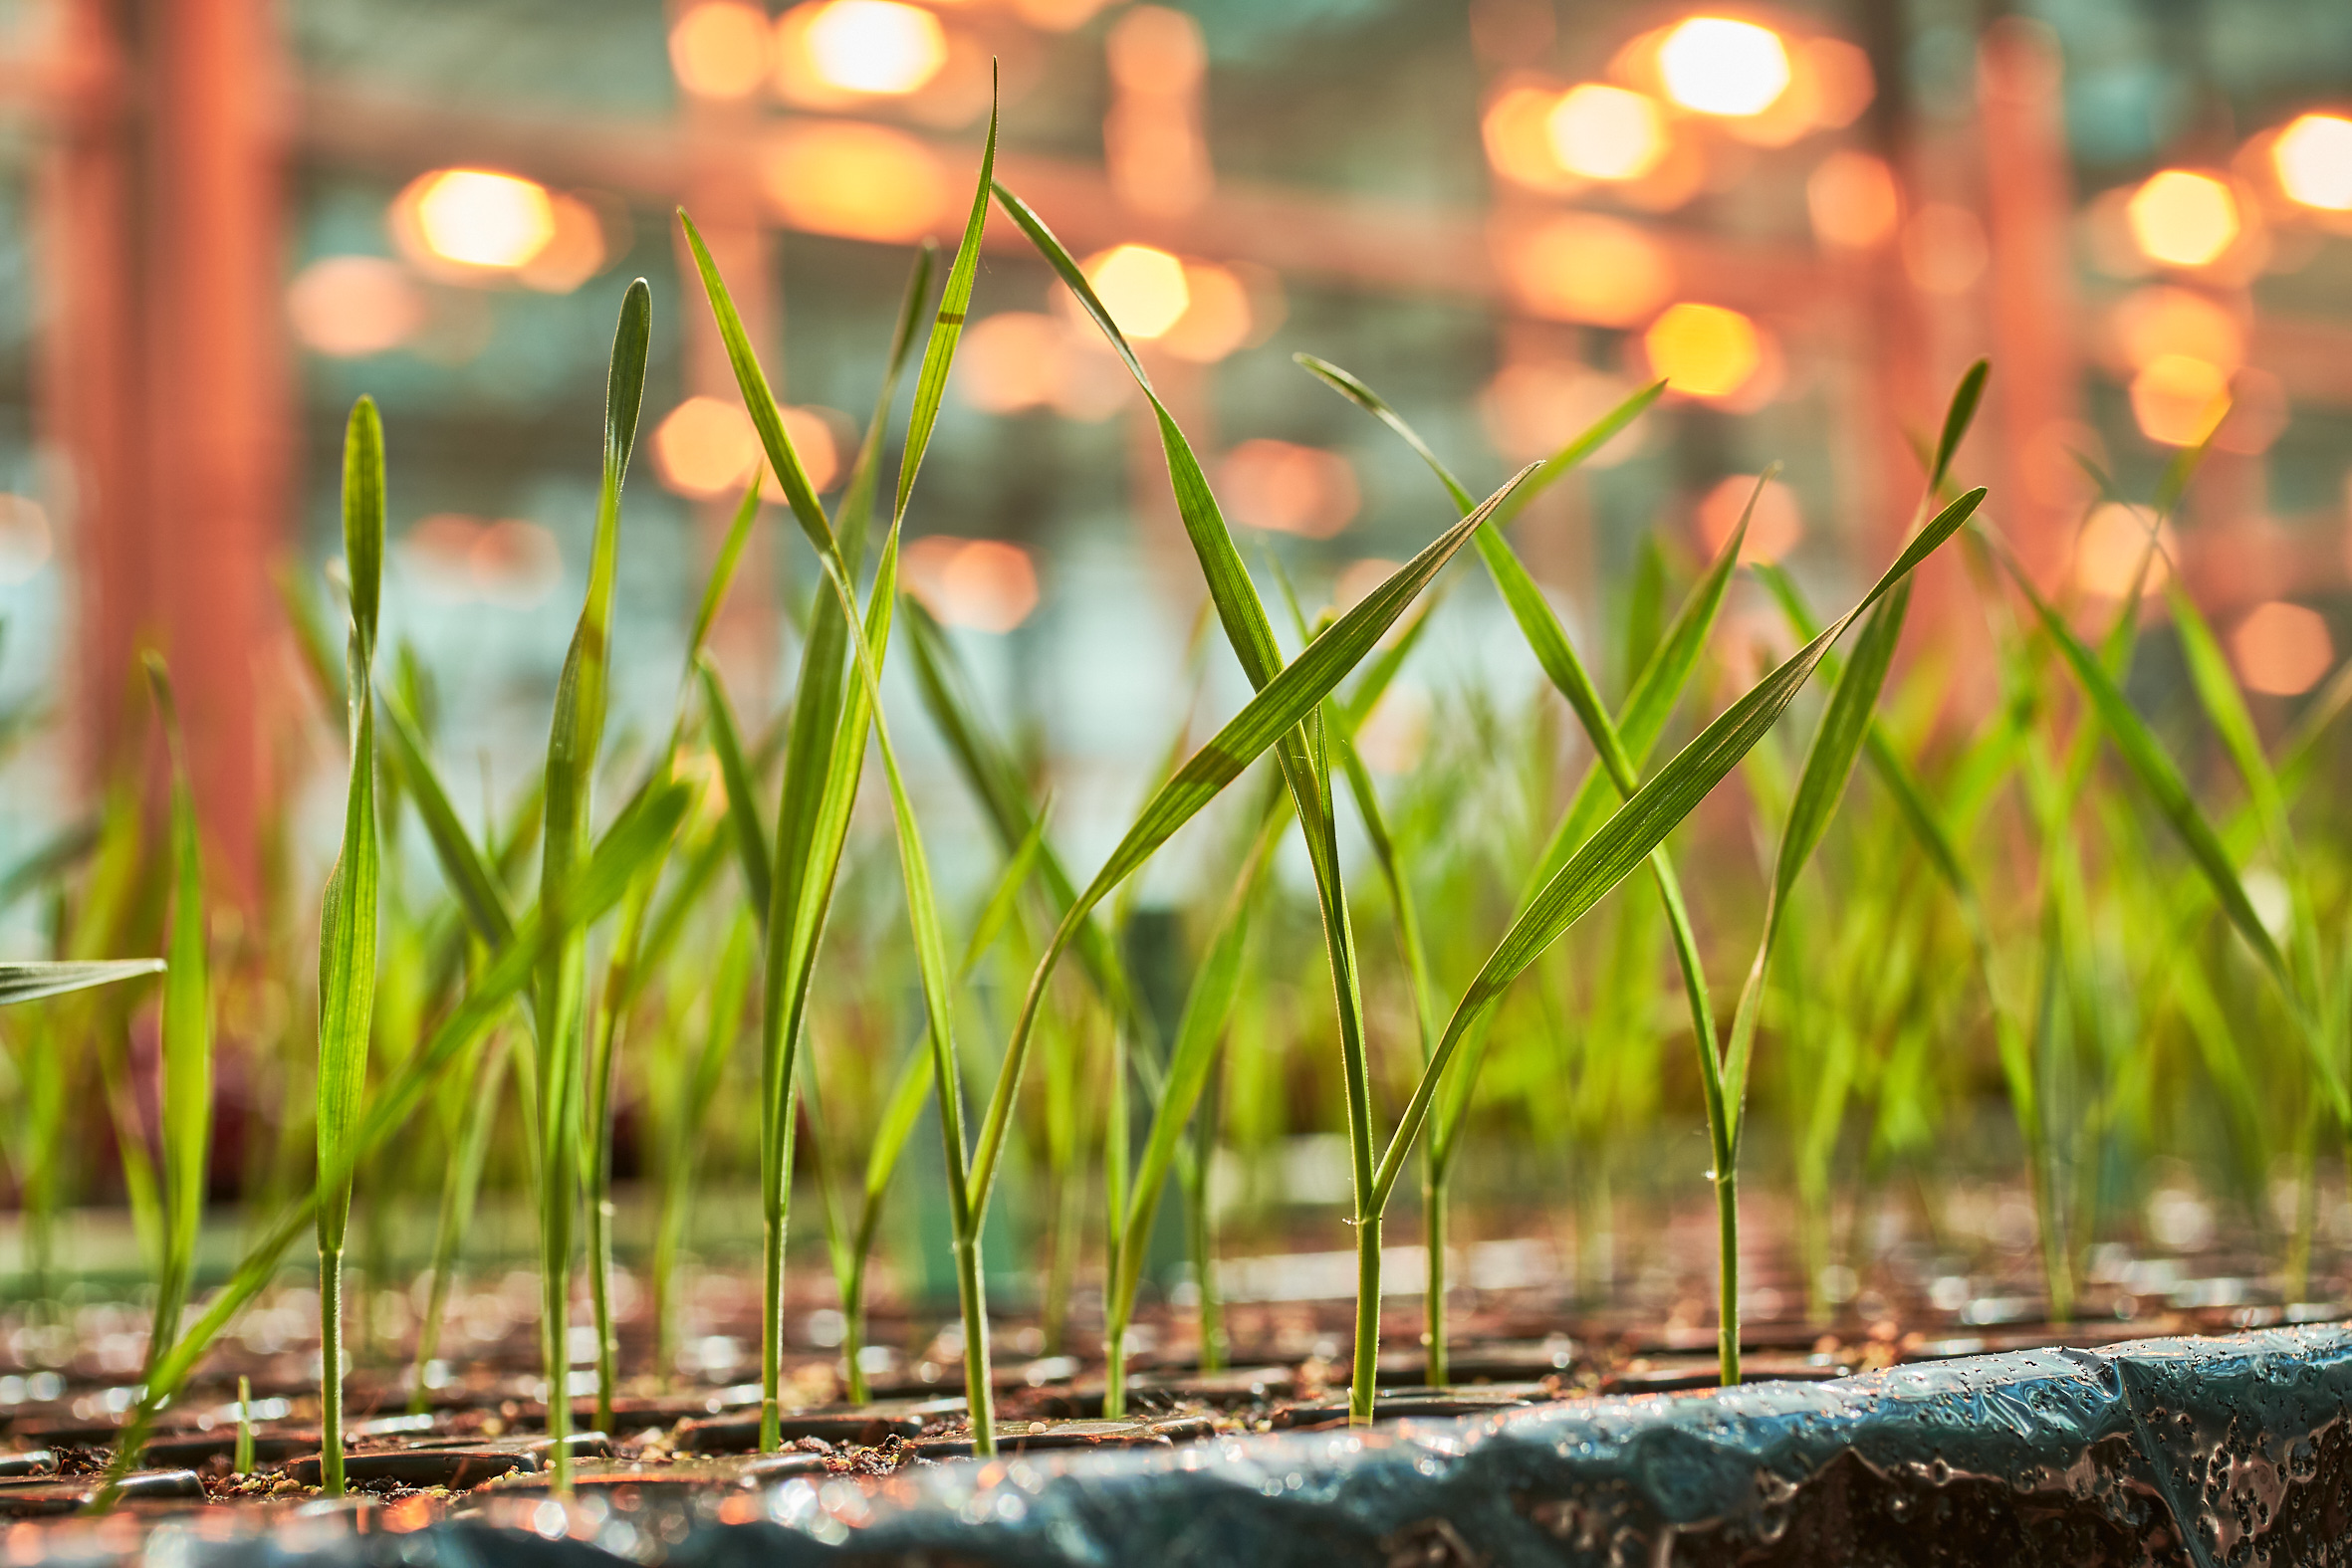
(216, 395)
(2036, 391)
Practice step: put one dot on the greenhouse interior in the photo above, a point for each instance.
(1438, 781)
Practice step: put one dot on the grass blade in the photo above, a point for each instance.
(1625, 840)
(187, 1035)
(348, 924)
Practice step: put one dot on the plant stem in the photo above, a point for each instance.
(854, 1333)
(243, 1463)
(1727, 1217)
(1436, 1373)
(776, 1199)
(979, 1389)
(1203, 1231)
(331, 1371)
(1114, 1358)
(1062, 1269)
(1364, 1379)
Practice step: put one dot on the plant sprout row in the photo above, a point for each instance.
(649, 927)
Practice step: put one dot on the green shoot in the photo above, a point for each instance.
(348, 927)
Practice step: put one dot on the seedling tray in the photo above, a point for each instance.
(2189, 1451)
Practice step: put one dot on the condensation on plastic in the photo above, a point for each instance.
(2203, 1451)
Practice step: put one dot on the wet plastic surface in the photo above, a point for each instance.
(2161, 1451)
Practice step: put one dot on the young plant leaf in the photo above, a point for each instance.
(187, 1035)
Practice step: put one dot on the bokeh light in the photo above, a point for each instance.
(861, 182)
(484, 219)
(1217, 317)
(1534, 407)
(513, 564)
(352, 307)
(1774, 527)
(1581, 266)
(2181, 218)
(1011, 361)
(2281, 649)
(1704, 350)
(707, 448)
(2113, 543)
(1715, 66)
(1143, 289)
(2313, 162)
(2149, 324)
(1853, 201)
(985, 585)
(718, 49)
(879, 47)
(573, 253)
(1606, 132)
(1284, 488)
(2176, 399)
(1516, 130)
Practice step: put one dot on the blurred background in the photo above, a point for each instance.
(221, 220)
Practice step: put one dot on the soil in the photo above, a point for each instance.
(483, 1438)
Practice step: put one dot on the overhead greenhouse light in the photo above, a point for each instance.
(1144, 288)
(481, 218)
(2183, 219)
(874, 46)
(1713, 65)
(2313, 158)
(1606, 132)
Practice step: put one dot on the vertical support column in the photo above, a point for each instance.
(216, 387)
(2036, 390)
(87, 363)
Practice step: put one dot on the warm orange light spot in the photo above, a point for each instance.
(1142, 288)
(1580, 267)
(573, 253)
(1944, 249)
(481, 218)
(354, 306)
(1057, 16)
(1704, 350)
(1011, 361)
(2154, 322)
(1285, 488)
(1157, 50)
(862, 182)
(515, 565)
(2181, 218)
(2314, 160)
(986, 584)
(1842, 82)
(1534, 407)
(2114, 548)
(2177, 400)
(1853, 201)
(879, 47)
(1215, 319)
(1715, 66)
(707, 448)
(1773, 528)
(1516, 129)
(1606, 132)
(718, 49)
(2281, 649)
(512, 564)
